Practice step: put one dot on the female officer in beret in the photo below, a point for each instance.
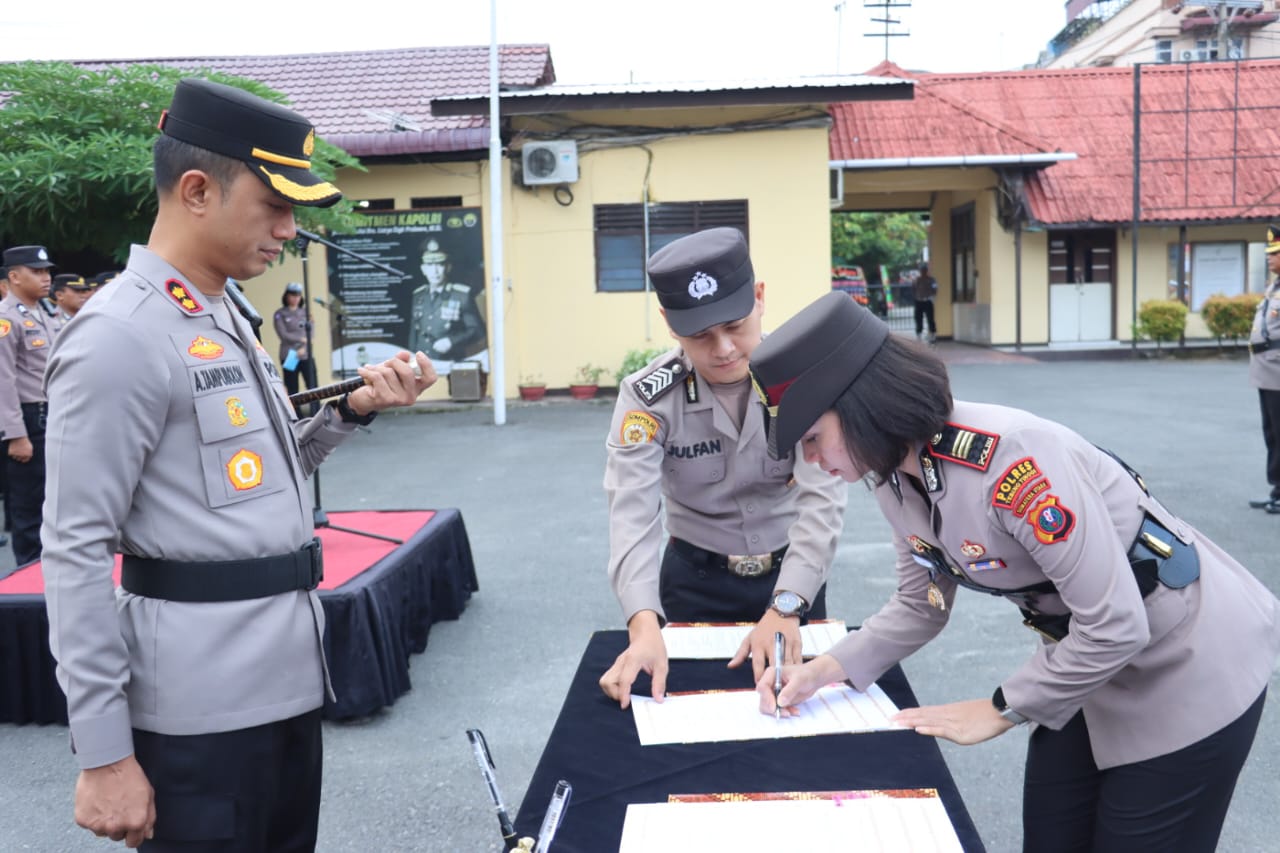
(1157, 646)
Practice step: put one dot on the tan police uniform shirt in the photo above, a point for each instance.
(26, 336)
(1264, 367)
(721, 489)
(1151, 676)
(170, 436)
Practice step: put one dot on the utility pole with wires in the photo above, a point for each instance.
(885, 5)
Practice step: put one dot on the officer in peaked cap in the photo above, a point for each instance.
(196, 462)
(69, 293)
(445, 320)
(1264, 370)
(751, 537)
(26, 336)
(1137, 611)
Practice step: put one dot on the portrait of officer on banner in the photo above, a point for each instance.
(445, 319)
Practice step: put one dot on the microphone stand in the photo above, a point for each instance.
(319, 516)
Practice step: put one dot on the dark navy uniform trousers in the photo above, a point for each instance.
(701, 589)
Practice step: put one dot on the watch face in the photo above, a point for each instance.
(787, 602)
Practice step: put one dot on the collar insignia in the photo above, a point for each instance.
(181, 294)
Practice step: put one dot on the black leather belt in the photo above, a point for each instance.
(742, 565)
(1259, 346)
(224, 580)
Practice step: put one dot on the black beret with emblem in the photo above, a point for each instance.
(1273, 239)
(71, 280)
(704, 279)
(27, 256)
(274, 142)
(802, 368)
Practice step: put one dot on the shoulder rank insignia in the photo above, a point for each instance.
(965, 445)
(659, 381)
(181, 294)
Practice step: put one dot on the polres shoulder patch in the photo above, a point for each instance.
(965, 445)
(657, 382)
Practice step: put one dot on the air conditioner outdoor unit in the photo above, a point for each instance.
(835, 187)
(1187, 55)
(549, 162)
(1235, 52)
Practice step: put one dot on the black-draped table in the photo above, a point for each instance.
(594, 747)
(380, 601)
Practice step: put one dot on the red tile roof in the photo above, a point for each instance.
(1201, 159)
(375, 103)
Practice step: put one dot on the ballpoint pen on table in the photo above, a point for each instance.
(778, 650)
(485, 760)
(555, 813)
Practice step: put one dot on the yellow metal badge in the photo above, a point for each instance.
(236, 413)
(38, 342)
(638, 427)
(244, 470)
(309, 144)
(204, 348)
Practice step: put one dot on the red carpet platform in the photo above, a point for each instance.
(380, 601)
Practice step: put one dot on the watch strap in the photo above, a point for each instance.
(349, 416)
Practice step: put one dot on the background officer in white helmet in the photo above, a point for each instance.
(751, 537)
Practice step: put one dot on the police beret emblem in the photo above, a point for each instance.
(702, 285)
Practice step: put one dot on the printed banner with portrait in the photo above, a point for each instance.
(438, 304)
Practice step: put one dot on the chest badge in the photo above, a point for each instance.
(204, 348)
(29, 323)
(38, 342)
(180, 294)
(917, 544)
(244, 470)
(236, 413)
(972, 549)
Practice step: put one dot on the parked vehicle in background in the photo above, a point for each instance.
(850, 280)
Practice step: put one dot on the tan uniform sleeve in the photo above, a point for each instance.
(633, 485)
(820, 504)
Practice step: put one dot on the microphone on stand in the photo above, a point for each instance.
(334, 304)
(245, 307)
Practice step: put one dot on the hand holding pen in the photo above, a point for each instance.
(485, 760)
(779, 649)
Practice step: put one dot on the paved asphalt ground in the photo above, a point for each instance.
(530, 493)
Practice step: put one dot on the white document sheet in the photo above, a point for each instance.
(721, 715)
(714, 640)
(863, 821)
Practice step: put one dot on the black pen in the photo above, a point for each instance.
(778, 650)
(485, 760)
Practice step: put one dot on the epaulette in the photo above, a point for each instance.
(657, 382)
(460, 288)
(965, 445)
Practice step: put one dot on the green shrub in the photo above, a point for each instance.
(1162, 320)
(636, 359)
(1230, 316)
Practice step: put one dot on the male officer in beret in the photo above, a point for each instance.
(70, 292)
(26, 336)
(445, 320)
(194, 692)
(751, 538)
(1264, 370)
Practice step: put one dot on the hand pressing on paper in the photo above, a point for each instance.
(965, 723)
(758, 645)
(798, 683)
(647, 652)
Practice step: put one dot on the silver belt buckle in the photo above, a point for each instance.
(750, 565)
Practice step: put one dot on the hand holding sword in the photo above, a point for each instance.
(395, 382)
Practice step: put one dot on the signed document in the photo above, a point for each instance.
(714, 640)
(903, 821)
(722, 715)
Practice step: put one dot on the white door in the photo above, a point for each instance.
(1080, 312)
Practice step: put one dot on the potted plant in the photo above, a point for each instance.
(532, 388)
(587, 382)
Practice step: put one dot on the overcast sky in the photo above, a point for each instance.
(653, 40)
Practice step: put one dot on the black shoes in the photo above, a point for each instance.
(1271, 505)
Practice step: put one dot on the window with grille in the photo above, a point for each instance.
(620, 230)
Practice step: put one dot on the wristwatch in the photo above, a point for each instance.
(349, 416)
(1002, 706)
(787, 603)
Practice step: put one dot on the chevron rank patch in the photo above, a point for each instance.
(965, 445)
(181, 294)
(1015, 478)
(659, 381)
(638, 427)
(1051, 521)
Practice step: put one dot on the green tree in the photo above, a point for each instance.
(75, 154)
(896, 240)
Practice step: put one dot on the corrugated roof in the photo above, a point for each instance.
(1201, 159)
(373, 103)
